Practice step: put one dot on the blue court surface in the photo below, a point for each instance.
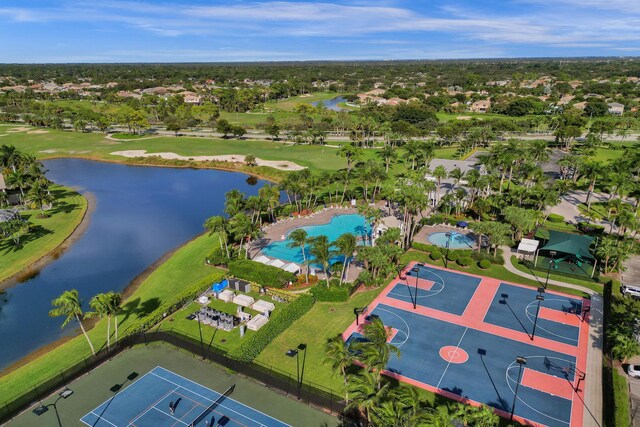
(451, 292)
(146, 402)
(483, 367)
(518, 311)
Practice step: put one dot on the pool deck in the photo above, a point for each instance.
(276, 231)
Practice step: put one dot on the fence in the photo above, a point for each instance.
(307, 392)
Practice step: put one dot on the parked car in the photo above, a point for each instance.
(634, 371)
(632, 291)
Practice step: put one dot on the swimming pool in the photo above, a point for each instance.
(458, 241)
(340, 224)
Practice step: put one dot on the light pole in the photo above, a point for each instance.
(44, 408)
(291, 353)
(200, 330)
(449, 235)
(416, 269)
(540, 298)
(520, 360)
(552, 253)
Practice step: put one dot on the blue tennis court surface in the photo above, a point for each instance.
(485, 372)
(518, 310)
(146, 402)
(450, 292)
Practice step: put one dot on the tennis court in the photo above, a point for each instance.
(466, 345)
(164, 398)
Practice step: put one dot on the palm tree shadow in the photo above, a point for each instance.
(131, 307)
(147, 307)
(36, 232)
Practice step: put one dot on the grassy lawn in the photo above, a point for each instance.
(323, 321)
(290, 104)
(47, 233)
(211, 336)
(614, 152)
(183, 269)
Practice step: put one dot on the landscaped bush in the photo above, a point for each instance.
(453, 255)
(435, 255)
(217, 256)
(432, 220)
(251, 347)
(259, 273)
(590, 228)
(555, 218)
(464, 261)
(484, 264)
(334, 293)
(479, 256)
(424, 247)
(313, 279)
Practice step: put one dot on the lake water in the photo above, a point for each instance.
(332, 104)
(140, 214)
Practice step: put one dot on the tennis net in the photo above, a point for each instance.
(213, 406)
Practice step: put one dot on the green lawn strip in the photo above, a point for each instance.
(323, 321)
(495, 271)
(211, 336)
(182, 270)
(621, 398)
(46, 234)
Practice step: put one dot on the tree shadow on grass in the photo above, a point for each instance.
(37, 231)
(147, 307)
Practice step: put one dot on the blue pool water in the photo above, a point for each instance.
(339, 224)
(458, 241)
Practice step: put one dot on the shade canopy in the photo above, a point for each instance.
(262, 259)
(292, 267)
(568, 243)
(528, 245)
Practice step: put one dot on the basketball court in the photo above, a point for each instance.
(461, 336)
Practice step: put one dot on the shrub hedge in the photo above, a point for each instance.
(465, 261)
(555, 218)
(334, 293)
(217, 257)
(251, 347)
(435, 255)
(259, 273)
(453, 256)
(484, 264)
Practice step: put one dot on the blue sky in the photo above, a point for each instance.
(232, 30)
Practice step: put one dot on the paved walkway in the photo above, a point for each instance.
(593, 392)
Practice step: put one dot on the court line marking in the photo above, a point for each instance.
(151, 407)
(530, 316)
(507, 378)
(219, 394)
(449, 363)
(169, 415)
(408, 333)
(114, 396)
(99, 418)
(441, 283)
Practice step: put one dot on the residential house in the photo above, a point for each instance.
(481, 106)
(565, 99)
(616, 109)
(580, 105)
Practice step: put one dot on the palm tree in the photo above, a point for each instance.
(218, 224)
(69, 305)
(340, 356)
(321, 251)
(114, 301)
(100, 306)
(40, 195)
(365, 392)
(593, 170)
(298, 239)
(17, 179)
(388, 154)
(243, 228)
(439, 173)
(346, 245)
(9, 157)
(456, 175)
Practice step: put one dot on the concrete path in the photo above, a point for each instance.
(593, 393)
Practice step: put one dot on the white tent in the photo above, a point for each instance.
(528, 246)
(262, 259)
(276, 263)
(292, 267)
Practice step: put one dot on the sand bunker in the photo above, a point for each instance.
(237, 158)
(19, 129)
(37, 132)
(49, 151)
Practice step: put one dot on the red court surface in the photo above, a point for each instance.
(487, 325)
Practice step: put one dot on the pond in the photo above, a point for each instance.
(332, 104)
(140, 214)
